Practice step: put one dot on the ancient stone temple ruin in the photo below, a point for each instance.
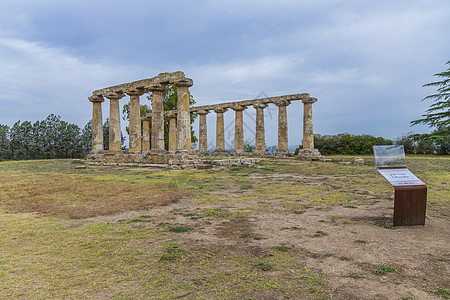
(149, 147)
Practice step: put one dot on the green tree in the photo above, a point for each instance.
(4, 142)
(86, 138)
(170, 100)
(438, 115)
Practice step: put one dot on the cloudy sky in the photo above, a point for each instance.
(365, 61)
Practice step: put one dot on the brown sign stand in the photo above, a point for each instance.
(410, 205)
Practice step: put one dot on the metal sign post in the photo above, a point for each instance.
(410, 192)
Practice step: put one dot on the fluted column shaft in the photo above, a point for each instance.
(97, 123)
(239, 129)
(134, 128)
(183, 116)
(157, 134)
(115, 134)
(308, 134)
(203, 132)
(282, 126)
(260, 142)
(172, 132)
(146, 134)
(220, 130)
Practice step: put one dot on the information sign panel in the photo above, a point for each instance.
(400, 177)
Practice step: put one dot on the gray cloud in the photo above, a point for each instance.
(364, 61)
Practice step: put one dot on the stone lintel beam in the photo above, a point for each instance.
(293, 97)
(304, 97)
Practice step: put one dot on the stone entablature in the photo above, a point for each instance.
(244, 103)
(143, 84)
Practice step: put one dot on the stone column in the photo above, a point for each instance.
(220, 132)
(308, 135)
(308, 152)
(172, 132)
(282, 126)
(134, 128)
(202, 132)
(183, 115)
(157, 135)
(260, 142)
(115, 134)
(239, 129)
(97, 124)
(146, 133)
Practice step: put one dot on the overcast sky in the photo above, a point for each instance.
(365, 61)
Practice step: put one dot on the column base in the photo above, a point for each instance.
(310, 154)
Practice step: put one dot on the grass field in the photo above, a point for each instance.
(271, 231)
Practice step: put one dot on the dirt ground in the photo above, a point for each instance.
(342, 244)
(349, 239)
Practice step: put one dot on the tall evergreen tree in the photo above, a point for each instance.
(438, 115)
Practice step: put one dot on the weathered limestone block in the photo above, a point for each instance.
(310, 154)
(358, 161)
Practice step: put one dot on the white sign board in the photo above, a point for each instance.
(399, 177)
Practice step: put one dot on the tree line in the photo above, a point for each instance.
(437, 142)
(47, 139)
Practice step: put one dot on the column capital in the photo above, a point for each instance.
(203, 112)
(309, 100)
(184, 82)
(157, 87)
(97, 98)
(239, 108)
(115, 95)
(136, 92)
(260, 105)
(148, 116)
(220, 110)
(282, 102)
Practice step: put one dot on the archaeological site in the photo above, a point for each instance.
(149, 147)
